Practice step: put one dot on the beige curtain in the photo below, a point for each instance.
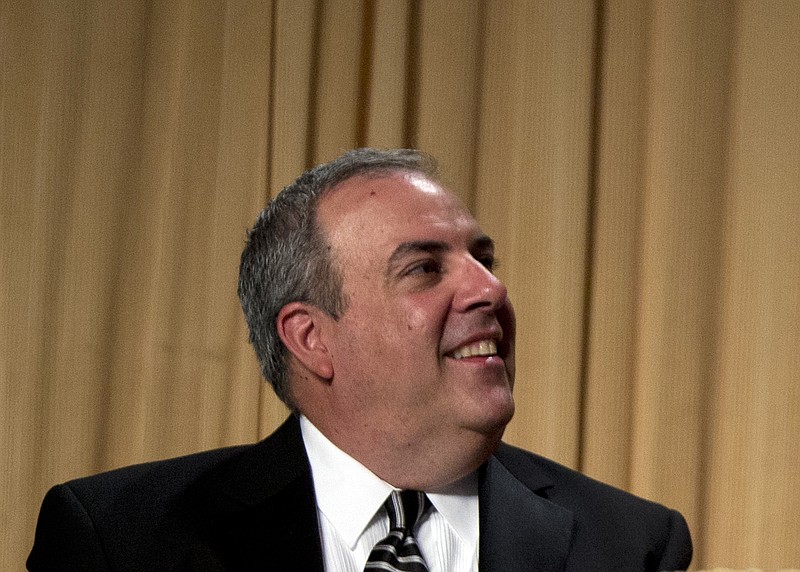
(637, 163)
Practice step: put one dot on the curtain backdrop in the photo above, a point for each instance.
(637, 163)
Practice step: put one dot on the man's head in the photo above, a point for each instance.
(409, 356)
(287, 260)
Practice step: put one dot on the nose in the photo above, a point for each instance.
(479, 289)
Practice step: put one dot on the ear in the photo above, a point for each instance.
(300, 327)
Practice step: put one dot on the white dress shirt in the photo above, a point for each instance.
(352, 518)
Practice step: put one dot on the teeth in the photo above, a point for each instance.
(482, 348)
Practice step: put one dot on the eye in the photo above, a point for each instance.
(427, 266)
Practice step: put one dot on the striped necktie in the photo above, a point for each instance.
(399, 552)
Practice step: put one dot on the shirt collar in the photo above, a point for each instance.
(349, 494)
(458, 503)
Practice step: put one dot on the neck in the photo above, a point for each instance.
(426, 462)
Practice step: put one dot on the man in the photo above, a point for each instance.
(372, 307)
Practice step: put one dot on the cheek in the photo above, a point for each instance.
(420, 337)
(414, 322)
(424, 316)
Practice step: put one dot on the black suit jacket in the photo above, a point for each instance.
(252, 508)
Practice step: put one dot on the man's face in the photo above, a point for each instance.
(426, 343)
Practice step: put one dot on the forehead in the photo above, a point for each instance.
(370, 212)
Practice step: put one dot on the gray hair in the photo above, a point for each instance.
(286, 258)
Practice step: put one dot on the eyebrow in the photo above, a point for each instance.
(480, 243)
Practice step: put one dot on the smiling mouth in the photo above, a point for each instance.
(482, 348)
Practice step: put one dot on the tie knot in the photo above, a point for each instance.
(405, 508)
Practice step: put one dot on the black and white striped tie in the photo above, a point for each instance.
(399, 552)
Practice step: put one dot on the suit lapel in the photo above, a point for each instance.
(519, 529)
(260, 508)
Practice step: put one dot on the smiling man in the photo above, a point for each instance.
(374, 312)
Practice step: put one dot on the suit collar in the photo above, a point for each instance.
(520, 529)
(260, 506)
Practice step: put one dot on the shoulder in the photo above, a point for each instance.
(100, 521)
(148, 483)
(607, 520)
(572, 489)
(153, 514)
(153, 483)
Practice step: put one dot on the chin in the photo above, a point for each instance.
(493, 423)
(500, 406)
